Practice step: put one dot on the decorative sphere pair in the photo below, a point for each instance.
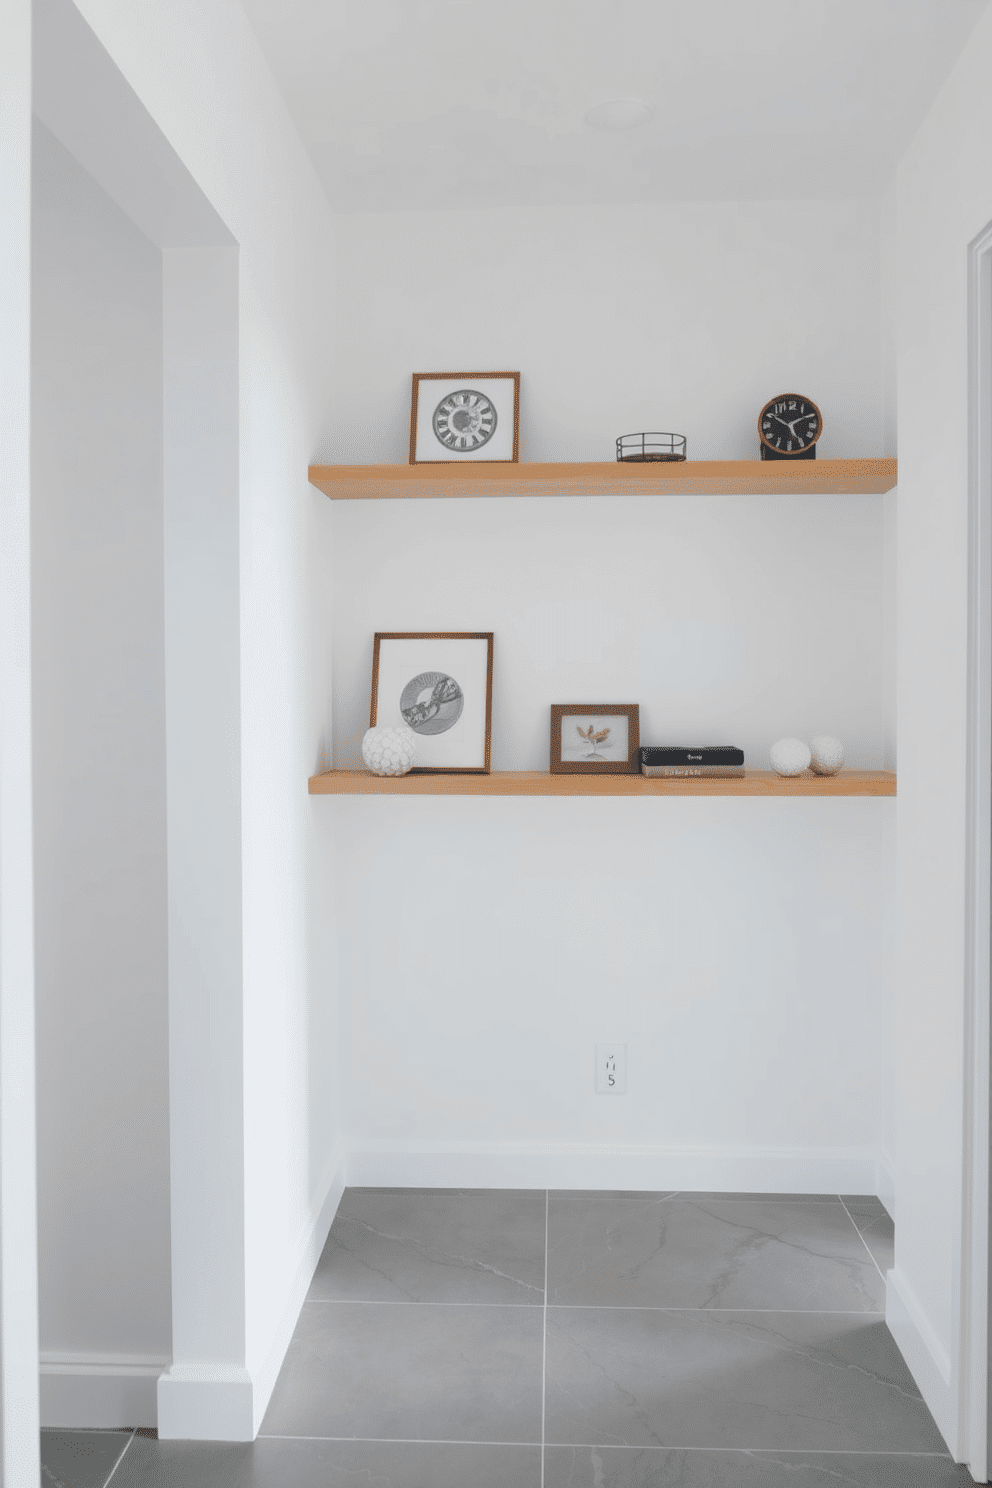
(824, 755)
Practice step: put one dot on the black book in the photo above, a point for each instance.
(683, 756)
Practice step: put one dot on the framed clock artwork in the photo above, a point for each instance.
(465, 417)
(788, 427)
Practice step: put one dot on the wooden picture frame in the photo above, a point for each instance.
(440, 684)
(448, 428)
(588, 753)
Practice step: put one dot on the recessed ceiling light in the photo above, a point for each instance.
(619, 113)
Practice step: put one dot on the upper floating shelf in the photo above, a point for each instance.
(688, 478)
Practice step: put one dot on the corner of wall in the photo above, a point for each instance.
(267, 1372)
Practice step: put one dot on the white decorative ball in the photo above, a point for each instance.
(389, 751)
(790, 757)
(827, 754)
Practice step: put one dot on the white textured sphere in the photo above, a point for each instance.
(790, 757)
(389, 751)
(827, 754)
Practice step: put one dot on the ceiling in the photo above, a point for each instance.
(481, 103)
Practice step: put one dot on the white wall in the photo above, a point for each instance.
(944, 200)
(685, 317)
(208, 112)
(487, 945)
(726, 618)
(99, 718)
(18, 1230)
(737, 946)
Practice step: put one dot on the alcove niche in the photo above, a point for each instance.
(741, 948)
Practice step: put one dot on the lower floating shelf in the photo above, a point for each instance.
(541, 783)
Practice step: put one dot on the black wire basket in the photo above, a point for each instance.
(643, 447)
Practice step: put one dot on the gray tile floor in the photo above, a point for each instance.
(522, 1339)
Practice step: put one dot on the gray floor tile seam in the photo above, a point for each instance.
(688, 1193)
(766, 1451)
(411, 1441)
(837, 1312)
(120, 1459)
(864, 1242)
(414, 1302)
(529, 1307)
(442, 1441)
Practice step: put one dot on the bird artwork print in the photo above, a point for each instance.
(593, 738)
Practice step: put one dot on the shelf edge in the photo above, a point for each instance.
(540, 783)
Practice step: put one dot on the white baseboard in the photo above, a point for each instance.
(266, 1375)
(99, 1390)
(216, 1403)
(205, 1402)
(524, 1165)
(926, 1358)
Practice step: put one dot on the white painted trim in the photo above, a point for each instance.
(18, 1160)
(523, 1165)
(217, 1402)
(266, 1375)
(201, 371)
(926, 1358)
(971, 1313)
(205, 1402)
(99, 1390)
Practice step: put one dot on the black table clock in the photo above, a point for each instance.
(788, 427)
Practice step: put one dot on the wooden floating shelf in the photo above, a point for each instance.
(541, 783)
(687, 478)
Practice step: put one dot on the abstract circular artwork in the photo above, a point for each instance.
(465, 420)
(431, 702)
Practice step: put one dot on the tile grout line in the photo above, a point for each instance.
(418, 1441)
(120, 1458)
(608, 1306)
(861, 1237)
(442, 1441)
(690, 1196)
(544, 1335)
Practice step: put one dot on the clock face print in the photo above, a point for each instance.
(465, 420)
(790, 423)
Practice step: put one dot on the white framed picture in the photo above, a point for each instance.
(468, 417)
(440, 685)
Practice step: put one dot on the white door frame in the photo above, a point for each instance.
(974, 1330)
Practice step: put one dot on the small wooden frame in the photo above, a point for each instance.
(588, 753)
(489, 437)
(409, 668)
